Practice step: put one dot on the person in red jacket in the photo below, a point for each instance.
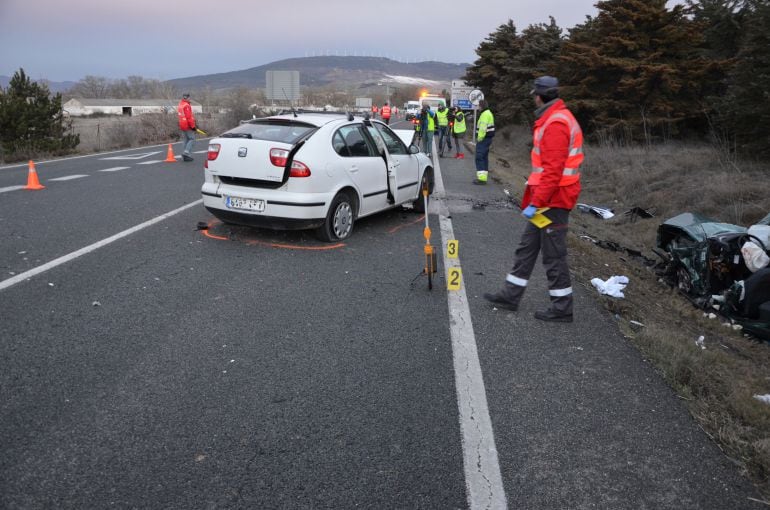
(385, 112)
(554, 184)
(187, 126)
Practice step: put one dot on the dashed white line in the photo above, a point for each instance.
(10, 188)
(115, 169)
(200, 152)
(68, 177)
(482, 466)
(152, 162)
(88, 249)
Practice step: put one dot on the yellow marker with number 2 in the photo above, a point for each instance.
(454, 278)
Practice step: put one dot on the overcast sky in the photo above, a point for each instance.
(63, 40)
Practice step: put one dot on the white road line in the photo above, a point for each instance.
(88, 249)
(10, 188)
(150, 162)
(482, 467)
(200, 152)
(69, 177)
(115, 169)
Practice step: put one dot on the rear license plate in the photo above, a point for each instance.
(247, 204)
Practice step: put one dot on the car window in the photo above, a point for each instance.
(273, 130)
(356, 141)
(393, 142)
(339, 145)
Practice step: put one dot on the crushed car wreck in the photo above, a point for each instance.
(707, 261)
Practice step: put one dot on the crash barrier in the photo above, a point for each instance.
(33, 183)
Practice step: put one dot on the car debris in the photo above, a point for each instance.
(704, 259)
(636, 213)
(604, 213)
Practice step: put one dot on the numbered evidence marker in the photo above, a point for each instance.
(452, 248)
(454, 278)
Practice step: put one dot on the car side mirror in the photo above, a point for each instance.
(413, 149)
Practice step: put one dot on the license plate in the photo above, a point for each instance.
(247, 204)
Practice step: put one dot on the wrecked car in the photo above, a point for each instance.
(720, 264)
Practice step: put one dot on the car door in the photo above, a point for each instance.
(403, 167)
(365, 167)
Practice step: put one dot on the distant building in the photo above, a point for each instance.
(77, 107)
(282, 86)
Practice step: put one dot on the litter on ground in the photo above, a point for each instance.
(612, 287)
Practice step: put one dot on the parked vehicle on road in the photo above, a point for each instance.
(312, 171)
(412, 109)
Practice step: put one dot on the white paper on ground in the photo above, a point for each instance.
(612, 287)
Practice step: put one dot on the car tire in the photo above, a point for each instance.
(338, 224)
(418, 205)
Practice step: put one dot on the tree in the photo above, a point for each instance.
(91, 87)
(635, 70)
(31, 121)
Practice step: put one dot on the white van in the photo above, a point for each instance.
(433, 101)
(412, 109)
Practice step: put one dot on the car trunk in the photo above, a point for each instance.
(242, 158)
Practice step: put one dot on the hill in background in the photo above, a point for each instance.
(354, 72)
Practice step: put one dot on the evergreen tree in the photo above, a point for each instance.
(31, 121)
(748, 100)
(495, 55)
(635, 70)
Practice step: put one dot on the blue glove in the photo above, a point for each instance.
(529, 212)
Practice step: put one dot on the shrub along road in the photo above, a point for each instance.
(173, 369)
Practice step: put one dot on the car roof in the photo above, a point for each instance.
(315, 118)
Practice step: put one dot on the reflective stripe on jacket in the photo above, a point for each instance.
(486, 125)
(186, 117)
(459, 126)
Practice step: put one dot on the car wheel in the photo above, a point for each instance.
(419, 204)
(683, 279)
(338, 224)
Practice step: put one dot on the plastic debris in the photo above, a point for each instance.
(636, 325)
(699, 342)
(604, 213)
(612, 287)
(712, 316)
(96, 303)
(765, 399)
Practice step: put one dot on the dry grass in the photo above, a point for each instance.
(718, 383)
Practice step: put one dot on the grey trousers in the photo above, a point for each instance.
(552, 242)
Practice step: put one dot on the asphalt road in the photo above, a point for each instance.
(239, 368)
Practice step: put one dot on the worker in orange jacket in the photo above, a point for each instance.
(554, 183)
(187, 126)
(385, 112)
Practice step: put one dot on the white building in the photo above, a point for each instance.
(77, 107)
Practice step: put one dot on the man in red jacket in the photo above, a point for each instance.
(554, 184)
(187, 126)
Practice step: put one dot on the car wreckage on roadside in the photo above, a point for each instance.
(721, 266)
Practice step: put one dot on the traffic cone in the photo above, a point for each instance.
(32, 180)
(170, 155)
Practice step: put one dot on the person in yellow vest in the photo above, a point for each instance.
(426, 126)
(458, 132)
(442, 115)
(554, 183)
(484, 136)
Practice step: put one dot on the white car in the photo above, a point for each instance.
(313, 170)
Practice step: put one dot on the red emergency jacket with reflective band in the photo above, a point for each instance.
(557, 153)
(186, 117)
(385, 112)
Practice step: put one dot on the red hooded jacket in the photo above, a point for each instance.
(554, 150)
(186, 117)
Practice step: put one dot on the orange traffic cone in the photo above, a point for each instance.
(170, 155)
(32, 180)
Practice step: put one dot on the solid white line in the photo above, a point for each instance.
(200, 152)
(150, 162)
(482, 467)
(10, 188)
(115, 169)
(88, 249)
(68, 177)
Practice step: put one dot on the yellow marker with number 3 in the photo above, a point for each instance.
(454, 278)
(452, 249)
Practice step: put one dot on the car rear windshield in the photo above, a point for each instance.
(272, 130)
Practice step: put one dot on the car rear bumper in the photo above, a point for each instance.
(283, 210)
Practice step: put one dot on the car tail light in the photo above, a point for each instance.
(213, 151)
(298, 169)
